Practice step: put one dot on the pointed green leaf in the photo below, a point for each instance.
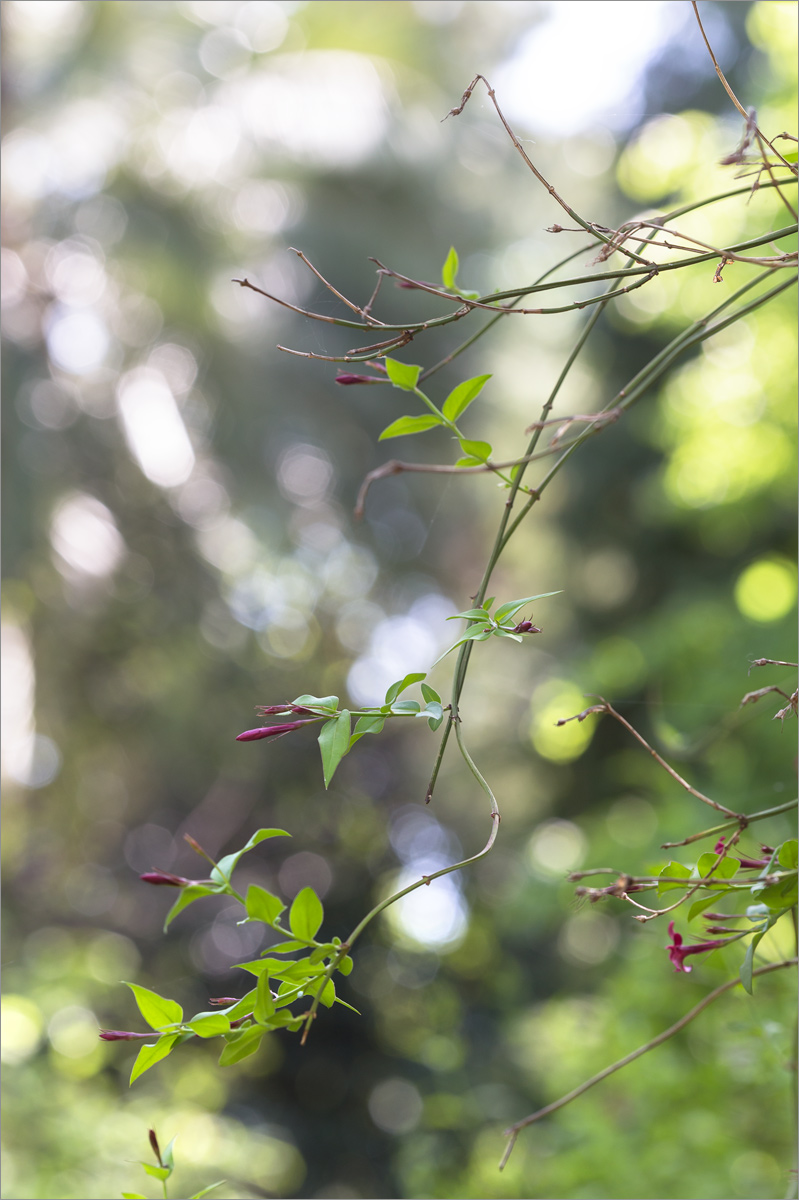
(264, 1004)
(449, 271)
(373, 723)
(512, 607)
(699, 906)
(405, 706)
(133, 1196)
(207, 1190)
(210, 1024)
(188, 895)
(262, 905)
(283, 948)
(168, 1154)
(470, 614)
(430, 694)
(746, 967)
(461, 397)
(672, 870)
(334, 742)
(161, 1173)
(479, 635)
(327, 996)
(324, 704)
(346, 965)
(722, 870)
(780, 895)
(224, 868)
(246, 1043)
(306, 914)
(480, 451)
(402, 375)
(157, 1011)
(243, 1008)
(150, 1054)
(397, 688)
(407, 425)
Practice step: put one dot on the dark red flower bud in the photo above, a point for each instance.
(154, 1144)
(346, 378)
(271, 731)
(411, 283)
(223, 1000)
(123, 1035)
(164, 879)
(526, 627)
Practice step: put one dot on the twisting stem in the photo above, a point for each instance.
(512, 1132)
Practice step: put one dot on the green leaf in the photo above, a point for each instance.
(243, 1008)
(188, 895)
(723, 870)
(449, 271)
(334, 742)
(283, 948)
(782, 894)
(673, 870)
(479, 635)
(373, 723)
(462, 396)
(397, 688)
(262, 905)
(471, 614)
(434, 712)
(264, 1004)
(306, 914)
(699, 906)
(133, 1196)
(402, 375)
(324, 705)
(406, 425)
(327, 996)
(246, 1043)
(406, 706)
(512, 607)
(430, 694)
(346, 965)
(746, 967)
(168, 1154)
(150, 1054)
(210, 1024)
(157, 1172)
(207, 1190)
(479, 452)
(788, 856)
(225, 867)
(157, 1011)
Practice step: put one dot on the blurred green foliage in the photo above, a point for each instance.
(159, 584)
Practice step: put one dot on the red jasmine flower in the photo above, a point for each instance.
(272, 731)
(678, 952)
(123, 1035)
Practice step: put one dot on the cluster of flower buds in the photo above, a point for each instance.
(275, 731)
(525, 627)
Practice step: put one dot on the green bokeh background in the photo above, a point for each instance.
(153, 152)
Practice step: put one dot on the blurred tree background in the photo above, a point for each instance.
(179, 547)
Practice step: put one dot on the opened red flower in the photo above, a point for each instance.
(679, 952)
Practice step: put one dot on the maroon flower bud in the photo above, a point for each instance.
(752, 863)
(164, 879)
(719, 847)
(281, 710)
(223, 1000)
(346, 378)
(154, 1144)
(271, 731)
(123, 1035)
(526, 627)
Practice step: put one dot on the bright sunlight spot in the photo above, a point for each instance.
(766, 590)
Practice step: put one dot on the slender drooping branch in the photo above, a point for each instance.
(513, 1131)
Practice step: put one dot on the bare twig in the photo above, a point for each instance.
(514, 1130)
(360, 311)
(604, 706)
